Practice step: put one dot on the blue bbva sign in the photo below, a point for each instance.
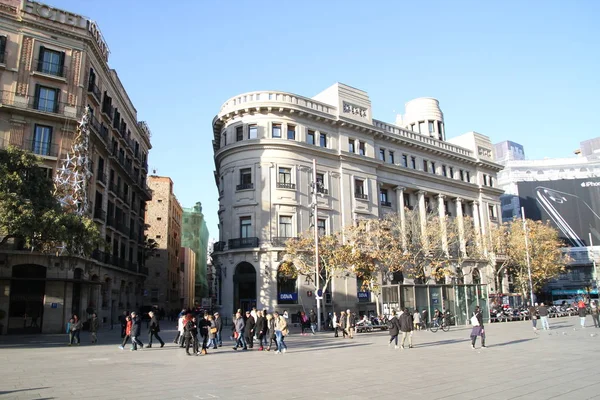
(288, 296)
(364, 295)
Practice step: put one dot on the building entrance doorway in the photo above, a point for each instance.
(244, 287)
(27, 290)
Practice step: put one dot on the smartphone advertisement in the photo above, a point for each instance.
(571, 205)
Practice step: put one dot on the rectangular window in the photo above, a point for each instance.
(352, 146)
(245, 227)
(383, 198)
(485, 181)
(467, 177)
(382, 154)
(276, 131)
(359, 189)
(285, 175)
(310, 137)
(285, 226)
(322, 226)
(431, 127)
(492, 212)
(461, 174)
(405, 160)
(425, 165)
(444, 170)
(225, 138)
(391, 157)
(491, 181)
(362, 148)
(440, 130)
(422, 127)
(413, 162)
(412, 127)
(407, 200)
(432, 167)
(51, 62)
(42, 140)
(46, 99)
(451, 172)
(2, 49)
(239, 133)
(252, 131)
(323, 140)
(245, 179)
(291, 132)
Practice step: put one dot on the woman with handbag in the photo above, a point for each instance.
(75, 326)
(212, 333)
(477, 322)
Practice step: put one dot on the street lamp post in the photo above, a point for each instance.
(527, 254)
(594, 263)
(318, 295)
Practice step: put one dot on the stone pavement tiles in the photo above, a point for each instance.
(518, 364)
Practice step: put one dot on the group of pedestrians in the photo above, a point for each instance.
(262, 326)
(542, 311)
(346, 324)
(131, 328)
(190, 326)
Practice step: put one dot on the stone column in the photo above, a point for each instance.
(442, 216)
(476, 222)
(401, 205)
(422, 213)
(461, 226)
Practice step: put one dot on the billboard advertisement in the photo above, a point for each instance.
(571, 205)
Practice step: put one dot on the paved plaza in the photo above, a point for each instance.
(560, 363)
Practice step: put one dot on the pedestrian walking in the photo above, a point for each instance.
(425, 319)
(219, 326)
(75, 326)
(595, 313)
(203, 329)
(394, 329)
(260, 329)
(416, 320)
(406, 327)
(190, 334)
(478, 330)
(281, 331)
(343, 324)
(350, 324)
(136, 331)
(123, 321)
(582, 310)
(313, 321)
(212, 333)
(543, 313)
(94, 325)
(239, 325)
(179, 339)
(533, 315)
(335, 325)
(249, 329)
(271, 331)
(153, 329)
(127, 332)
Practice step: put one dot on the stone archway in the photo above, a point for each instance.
(26, 304)
(244, 286)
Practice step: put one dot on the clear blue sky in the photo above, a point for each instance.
(526, 71)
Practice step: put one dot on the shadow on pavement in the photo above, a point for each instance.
(511, 342)
(4, 392)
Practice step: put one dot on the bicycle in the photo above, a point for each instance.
(445, 325)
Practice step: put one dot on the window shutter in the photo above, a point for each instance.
(36, 96)
(62, 64)
(57, 102)
(41, 58)
(2, 48)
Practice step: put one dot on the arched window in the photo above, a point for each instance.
(476, 277)
(287, 283)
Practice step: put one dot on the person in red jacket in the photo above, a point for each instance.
(127, 332)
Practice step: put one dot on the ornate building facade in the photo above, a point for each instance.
(264, 145)
(54, 64)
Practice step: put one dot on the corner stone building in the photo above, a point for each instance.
(53, 63)
(163, 220)
(264, 144)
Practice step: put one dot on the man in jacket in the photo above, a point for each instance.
(260, 329)
(313, 321)
(204, 327)
(343, 324)
(394, 329)
(136, 330)
(533, 316)
(239, 326)
(219, 326)
(543, 312)
(406, 327)
(94, 328)
(123, 321)
(249, 329)
(153, 329)
(350, 324)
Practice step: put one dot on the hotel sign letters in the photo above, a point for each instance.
(67, 18)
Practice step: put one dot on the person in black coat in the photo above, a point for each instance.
(123, 321)
(136, 331)
(190, 334)
(219, 326)
(394, 329)
(203, 328)
(249, 329)
(153, 329)
(261, 329)
(406, 327)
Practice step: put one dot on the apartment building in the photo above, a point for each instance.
(163, 224)
(195, 236)
(187, 277)
(264, 145)
(54, 64)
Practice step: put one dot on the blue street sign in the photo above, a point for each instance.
(320, 293)
(288, 296)
(54, 305)
(363, 295)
